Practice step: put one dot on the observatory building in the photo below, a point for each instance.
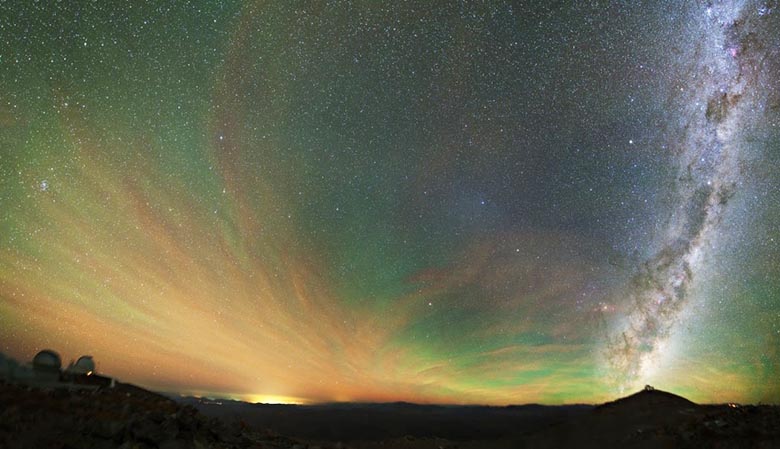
(85, 365)
(46, 371)
(46, 366)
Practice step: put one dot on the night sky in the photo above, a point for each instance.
(473, 202)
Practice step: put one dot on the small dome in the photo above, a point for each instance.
(47, 360)
(85, 365)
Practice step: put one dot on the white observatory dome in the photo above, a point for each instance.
(84, 365)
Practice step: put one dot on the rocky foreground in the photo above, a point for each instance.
(124, 417)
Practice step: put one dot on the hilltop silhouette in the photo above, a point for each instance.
(654, 418)
(648, 399)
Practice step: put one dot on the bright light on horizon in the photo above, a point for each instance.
(274, 399)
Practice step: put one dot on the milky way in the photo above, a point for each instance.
(729, 67)
(350, 201)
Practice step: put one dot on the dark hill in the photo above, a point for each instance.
(646, 400)
(654, 418)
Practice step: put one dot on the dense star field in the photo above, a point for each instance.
(348, 201)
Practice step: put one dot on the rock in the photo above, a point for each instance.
(155, 416)
(176, 444)
(148, 431)
(230, 439)
(111, 430)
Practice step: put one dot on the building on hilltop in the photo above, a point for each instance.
(46, 371)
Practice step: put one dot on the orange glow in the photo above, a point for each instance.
(274, 399)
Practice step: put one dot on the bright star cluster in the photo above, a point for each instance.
(380, 201)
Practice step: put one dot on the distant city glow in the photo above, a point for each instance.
(271, 399)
